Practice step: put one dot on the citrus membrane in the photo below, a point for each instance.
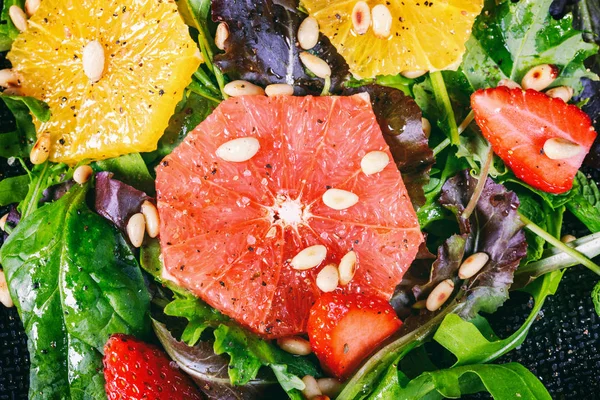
(149, 58)
(424, 35)
(229, 230)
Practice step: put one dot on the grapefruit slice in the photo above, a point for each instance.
(229, 230)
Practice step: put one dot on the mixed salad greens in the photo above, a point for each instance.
(76, 279)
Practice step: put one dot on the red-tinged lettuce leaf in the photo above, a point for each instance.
(400, 120)
(262, 45)
(117, 201)
(426, 272)
(210, 371)
(493, 228)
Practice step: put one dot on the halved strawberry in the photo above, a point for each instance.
(518, 123)
(344, 329)
(136, 370)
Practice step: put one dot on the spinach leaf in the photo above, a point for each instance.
(495, 229)
(400, 120)
(38, 108)
(75, 282)
(8, 31)
(209, 370)
(192, 111)
(585, 204)
(474, 342)
(129, 169)
(13, 190)
(503, 382)
(511, 37)
(261, 47)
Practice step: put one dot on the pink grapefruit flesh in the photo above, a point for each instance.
(230, 229)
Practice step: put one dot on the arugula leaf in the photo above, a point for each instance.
(474, 342)
(18, 143)
(495, 229)
(261, 47)
(509, 38)
(13, 190)
(248, 352)
(42, 177)
(210, 371)
(78, 284)
(503, 382)
(8, 31)
(400, 120)
(585, 204)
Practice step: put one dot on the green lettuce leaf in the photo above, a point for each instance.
(75, 282)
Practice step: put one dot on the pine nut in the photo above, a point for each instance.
(18, 18)
(561, 92)
(328, 278)
(40, 150)
(239, 150)
(560, 149)
(361, 17)
(315, 65)
(472, 265)
(382, 21)
(540, 77)
(413, 74)
(439, 295)
(279, 89)
(308, 33)
(339, 199)
(568, 239)
(135, 229)
(426, 127)
(31, 6)
(310, 257)
(242, 88)
(3, 221)
(347, 267)
(295, 345)
(509, 84)
(329, 386)
(374, 162)
(82, 174)
(4, 293)
(311, 388)
(93, 61)
(221, 35)
(152, 219)
(8, 78)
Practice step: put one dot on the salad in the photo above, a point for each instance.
(309, 199)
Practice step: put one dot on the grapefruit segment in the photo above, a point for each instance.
(229, 230)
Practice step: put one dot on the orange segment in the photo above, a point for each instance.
(149, 59)
(424, 36)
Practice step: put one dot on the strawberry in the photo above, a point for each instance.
(518, 123)
(345, 328)
(137, 370)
